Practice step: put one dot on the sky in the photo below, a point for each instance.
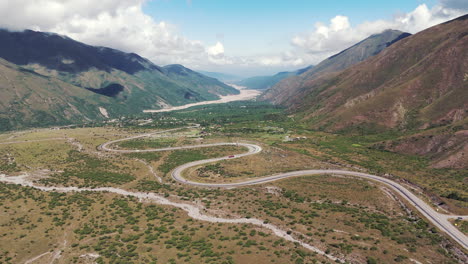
(245, 38)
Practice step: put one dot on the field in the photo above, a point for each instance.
(355, 220)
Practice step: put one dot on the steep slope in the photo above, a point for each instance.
(126, 77)
(355, 54)
(30, 99)
(266, 82)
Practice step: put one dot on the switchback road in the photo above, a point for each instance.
(441, 221)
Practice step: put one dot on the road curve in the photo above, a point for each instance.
(437, 219)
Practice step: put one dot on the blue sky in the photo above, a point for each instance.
(249, 27)
(247, 38)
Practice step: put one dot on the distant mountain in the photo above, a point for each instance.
(123, 82)
(266, 82)
(353, 55)
(224, 77)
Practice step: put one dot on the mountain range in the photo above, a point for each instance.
(82, 82)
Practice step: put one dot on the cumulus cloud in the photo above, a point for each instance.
(119, 24)
(123, 25)
(44, 14)
(338, 34)
(216, 50)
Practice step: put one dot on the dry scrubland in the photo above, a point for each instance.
(349, 218)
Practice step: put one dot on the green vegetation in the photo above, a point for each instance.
(90, 169)
(462, 225)
(216, 169)
(367, 225)
(180, 157)
(360, 151)
(147, 143)
(147, 156)
(235, 112)
(7, 166)
(123, 230)
(268, 123)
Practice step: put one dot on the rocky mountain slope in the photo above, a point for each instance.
(123, 82)
(353, 55)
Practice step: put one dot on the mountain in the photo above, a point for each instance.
(266, 82)
(418, 85)
(419, 81)
(124, 82)
(348, 57)
(224, 77)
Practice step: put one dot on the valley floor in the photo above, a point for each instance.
(80, 204)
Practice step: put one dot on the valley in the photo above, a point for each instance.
(105, 164)
(167, 132)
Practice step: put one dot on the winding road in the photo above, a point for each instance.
(441, 221)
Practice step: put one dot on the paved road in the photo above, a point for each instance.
(437, 219)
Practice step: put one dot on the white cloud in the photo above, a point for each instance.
(216, 50)
(339, 23)
(119, 24)
(123, 25)
(338, 34)
(20, 14)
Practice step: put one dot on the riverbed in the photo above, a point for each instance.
(245, 94)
